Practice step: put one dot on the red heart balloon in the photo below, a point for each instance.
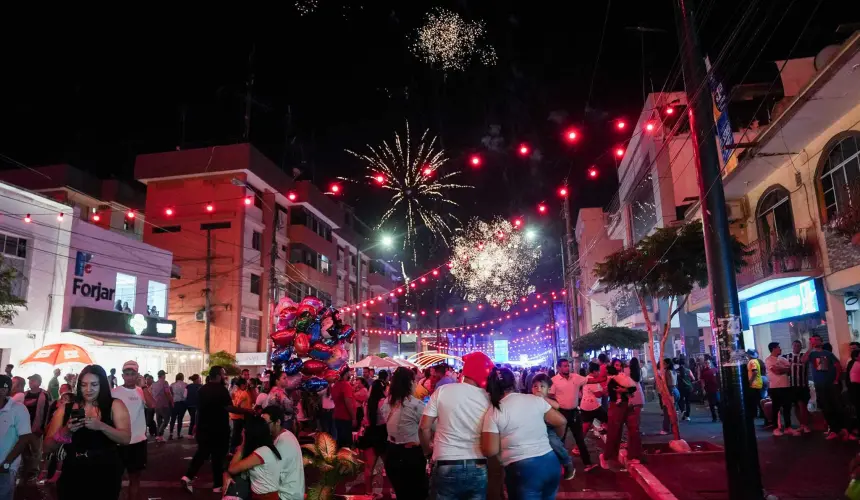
(302, 344)
(331, 376)
(303, 308)
(313, 367)
(284, 338)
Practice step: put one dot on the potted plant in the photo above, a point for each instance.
(790, 251)
(331, 465)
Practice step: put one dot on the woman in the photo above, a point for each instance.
(89, 428)
(853, 370)
(532, 470)
(622, 410)
(278, 397)
(671, 381)
(685, 388)
(242, 401)
(405, 463)
(326, 413)
(372, 442)
(361, 393)
(259, 457)
(177, 388)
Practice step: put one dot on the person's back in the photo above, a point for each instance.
(291, 485)
(519, 421)
(212, 416)
(460, 409)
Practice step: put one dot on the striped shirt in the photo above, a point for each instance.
(799, 375)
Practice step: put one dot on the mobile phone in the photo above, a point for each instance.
(78, 414)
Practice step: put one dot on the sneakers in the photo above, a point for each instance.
(792, 431)
(664, 433)
(805, 429)
(831, 436)
(777, 432)
(575, 451)
(186, 484)
(159, 439)
(603, 463)
(688, 419)
(589, 468)
(216, 490)
(569, 472)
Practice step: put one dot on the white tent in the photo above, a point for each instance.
(376, 362)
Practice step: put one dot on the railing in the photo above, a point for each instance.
(762, 263)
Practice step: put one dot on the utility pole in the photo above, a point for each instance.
(742, 466)
(273, 281)
(357, 300)
(570, 273)
(208, 290)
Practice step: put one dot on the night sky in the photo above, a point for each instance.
(95, 90)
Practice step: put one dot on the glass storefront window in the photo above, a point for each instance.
(126, 291)
(156, 299)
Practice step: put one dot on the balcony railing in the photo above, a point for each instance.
(765, 262)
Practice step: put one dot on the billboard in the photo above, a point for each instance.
(791, 301)
(500, 351)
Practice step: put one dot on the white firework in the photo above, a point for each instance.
(448, 42)
(305, 7)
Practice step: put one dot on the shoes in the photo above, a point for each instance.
(569, 472)
(159, 439)
(805, 429)
(575, 452)
(664, 433)
(688, 419)
(216, 490)
(589, 468)
(777, 432)
(186, 483)
(170, 437)
(792, 431)
(603, 463)
(831, 436)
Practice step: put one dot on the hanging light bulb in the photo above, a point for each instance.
(210, 207)
(130, 214)
(60, 217)
(27, 219)
(475, 160)
(97, 217)
(570, 135)
(168, 211)
(542, 208)
(334, 189)
(649, 126)
(562, 191)
(249, 200)
(619, 152)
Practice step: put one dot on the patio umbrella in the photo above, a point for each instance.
(375, 362)
(58, 354)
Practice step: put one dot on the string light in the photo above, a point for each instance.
(475, 160)
(130, 214)
(168, 211)
(27, 219)
(334, 188)
(292, 196)
(649, 126)
(249, 200)
(60, 217)
(210, 207)
(619, 152)
(562, 191)
(570, 135)
(97, 217)
(542, 208)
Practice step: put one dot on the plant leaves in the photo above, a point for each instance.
(324, 467)
(311, 448)
(306, 460)
(314, 492)
(326, 445)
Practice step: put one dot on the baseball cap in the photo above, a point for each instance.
(131, 365)
(35, 376)
(477, 366)
(5, 382)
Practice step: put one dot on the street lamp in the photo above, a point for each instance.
(387, 241)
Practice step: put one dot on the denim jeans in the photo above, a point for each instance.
(667, 425)
(460, 482)
(7, 484)
(534, 478)
(177, 416)
(558, 447)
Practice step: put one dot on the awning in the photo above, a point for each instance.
(138, 342)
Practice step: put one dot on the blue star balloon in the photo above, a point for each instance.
(293, 366)
(314, 384)
(281, 355)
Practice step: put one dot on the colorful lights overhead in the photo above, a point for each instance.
(210, 207)
(249, 200)
(292, 196)
(168, 211)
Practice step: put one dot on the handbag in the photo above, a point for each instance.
(239, 489)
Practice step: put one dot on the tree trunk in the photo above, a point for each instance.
(659, 374)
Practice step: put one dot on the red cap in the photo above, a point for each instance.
(477, 366)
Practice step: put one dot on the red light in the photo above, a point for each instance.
(210, 207)
(423, 279)
(517, 222)
(649, 127)
(592, 172)
(670, 110)
(249, 200)
(27, 219)
(168, 211)
(524, 149)
(130, 214)
(292, 196)
(542, 208)
(562, 191)
(570, 135)
(435, 272)
(475, 160)
(423, 313)
(428, 171)
(619, 152)
(620, 125)
(334, 188)
(60, 217)
(450, 264)
(412, 285)
(97, 217)
(380, 179)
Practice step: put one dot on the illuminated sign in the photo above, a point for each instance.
(87, 319)
(137, 323)
(795, 300)
(500, 351)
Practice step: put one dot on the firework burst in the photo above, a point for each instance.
(492, 261)
(419, 189)
(450, 43)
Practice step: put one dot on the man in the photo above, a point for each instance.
(54, 385)
(780, 389)
(291, 483)
(754, 374)
(163, 404)
(241, 400)
(711, 385)
(15, 437)
(383, 377)
(457, 411)
(798, 380)
(17, 393)
(213, 429)
(565, 390)
(191, 401)
(112, 378)
(825, 370)
(530, 377)
(344, 410)
(246, 374)
(443, 376)
(149, 412)
(9, 370)
(36, 401)
(133, 456)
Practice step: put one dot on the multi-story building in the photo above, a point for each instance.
(229, 213)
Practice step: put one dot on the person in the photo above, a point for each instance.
(326, 414)
(213, 429)
(177, 391)
(565, 389)
(711, 386)
(149, 412)
(382, 376)
(37, 402)
(136, 400)
(621, 412)
(825, 369)
(291, 481)
(514, 428)
(372, 442)
(17, 393)
(671, 378)
(118, 305)
(112, 378)
(636, 403)
(590, 406)
(798, 379)
(540, 388)
(278, 397)
(457, 411)
(125, 308)
(258, 456)
(242, 401)
(853, 370)
(53, 468)
(54, 385)
(754, 375)
(361, 393)
(15, 437)
(405, 464)
(163, 404)
(253, 390)
(531, 375)
(344, 410)
(192, 399)
(778, 369)
(90, 428)
(9, 368)
(442, 375)
(685, 388)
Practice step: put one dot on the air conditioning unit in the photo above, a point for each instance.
(737, 210)
(200, 315)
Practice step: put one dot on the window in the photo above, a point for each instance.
(840, 174)
(254, 328)
(14, 252)
(255, 284)
(339, 254)
(325, 265)
(243, 326)
(309, 220)
(643, 208)
(126, 291)
(774, 216)
(352, 260)
(256, 240)
(156, 299)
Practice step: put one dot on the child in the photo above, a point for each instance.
(540, 388)
(592, 394)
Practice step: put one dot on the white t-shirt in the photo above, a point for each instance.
(566, 390)
(590, 401)
(265, 478)
(14, 423)
(776, 380)
(135, 403)
(459, 409)
(262, 399)
(519, 422)
(291, 485)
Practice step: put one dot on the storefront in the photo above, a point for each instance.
(790, 313)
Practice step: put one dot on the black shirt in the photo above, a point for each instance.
(212, 416)
(191, 395)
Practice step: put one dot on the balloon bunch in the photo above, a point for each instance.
(308, 343)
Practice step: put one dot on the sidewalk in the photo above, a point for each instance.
(803, 467)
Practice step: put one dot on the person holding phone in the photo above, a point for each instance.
(90, 427)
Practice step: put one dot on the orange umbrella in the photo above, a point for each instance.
(57, 354)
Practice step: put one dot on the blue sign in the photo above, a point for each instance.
(500, 351)
(725, 136)
(795, 300)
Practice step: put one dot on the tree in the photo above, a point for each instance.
(9, 302)
(616, 336)
(665, 265)
(225, 360)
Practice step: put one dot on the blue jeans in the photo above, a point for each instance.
(7, 484)
(667, 425)
(558, 447)
(533, 478)
(460, 482)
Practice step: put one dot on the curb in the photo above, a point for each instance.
(652, 486)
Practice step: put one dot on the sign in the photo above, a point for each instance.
(500, 351)
(100, 320)
(723, 127)
(794, 300)
(251, 358)
(97, 291)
